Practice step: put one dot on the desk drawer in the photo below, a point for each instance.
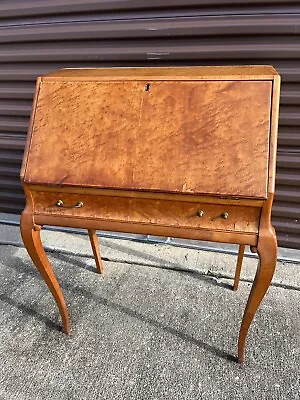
(173, 213)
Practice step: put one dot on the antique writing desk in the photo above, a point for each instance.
(183, 152)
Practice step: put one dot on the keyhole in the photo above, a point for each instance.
(147, 87)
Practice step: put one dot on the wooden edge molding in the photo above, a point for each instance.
(29, 132)
(158, 78)
(243, 72)
(147, 229)
(274, 133)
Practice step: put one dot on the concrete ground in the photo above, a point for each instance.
(162, 324)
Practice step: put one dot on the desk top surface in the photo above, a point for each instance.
(206, 137)
(244, 72)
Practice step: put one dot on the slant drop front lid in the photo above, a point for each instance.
(204, 137)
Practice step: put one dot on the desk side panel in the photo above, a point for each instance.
(29, 131)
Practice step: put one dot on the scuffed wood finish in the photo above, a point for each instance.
(134, 152)
(149, 211)
(161, 151)
(96, 250)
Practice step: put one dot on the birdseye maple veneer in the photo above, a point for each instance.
(183, 152)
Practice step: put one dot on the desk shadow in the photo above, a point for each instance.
(23, 267)
(161, 264)
(151, 321)
(74, 260)
(30, 311)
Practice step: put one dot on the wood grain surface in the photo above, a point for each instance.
(149, 211)
(205, 137)
(183, 137)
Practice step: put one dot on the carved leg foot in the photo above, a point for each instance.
(32, 241)
(96, 250)
(267, 251)
(238, 267)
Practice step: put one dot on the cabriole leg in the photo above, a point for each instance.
(32, 241)
(267, 251)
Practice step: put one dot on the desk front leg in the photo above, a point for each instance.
(267, 252)
(32, 241)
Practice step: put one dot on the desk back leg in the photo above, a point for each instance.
(32, 241)
(239, 266)
(96, 250)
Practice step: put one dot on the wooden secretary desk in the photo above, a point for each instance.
(185, 152)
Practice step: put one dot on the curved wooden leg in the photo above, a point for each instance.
(267, 251)
(96, 250)
(32, 241)
(238, 267)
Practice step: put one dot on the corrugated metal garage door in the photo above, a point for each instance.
(39, 36)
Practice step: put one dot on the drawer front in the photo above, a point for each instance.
(149, 211)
